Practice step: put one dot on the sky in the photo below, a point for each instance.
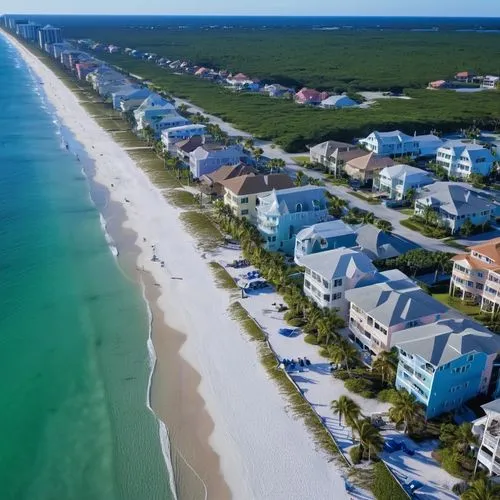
(447, 8)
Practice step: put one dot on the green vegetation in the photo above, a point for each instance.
(200, 225)
(293, 127)
(222, 277)
(465, 307)
(416, 223)
(370, 199)
(385, 486)
(417, 262)
(454, 453)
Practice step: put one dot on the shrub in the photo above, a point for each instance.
(295, 322)
(387, 395)
(358, 385)
(341, 375)
(450, 461)
(459, 488)
(311, 339)
(355, 454)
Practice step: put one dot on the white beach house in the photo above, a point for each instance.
(460, 159)
(397, 143)
(329, 274)
(397, 180)
(207, 158)
(170, 136)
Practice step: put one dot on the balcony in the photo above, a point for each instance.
(490, 441)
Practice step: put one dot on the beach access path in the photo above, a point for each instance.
(265, 452)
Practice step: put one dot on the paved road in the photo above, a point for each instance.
(380, 211)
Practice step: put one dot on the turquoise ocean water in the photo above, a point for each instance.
(74, 364)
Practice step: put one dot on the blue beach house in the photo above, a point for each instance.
(282, 214)
(322, 237)
(446, 363)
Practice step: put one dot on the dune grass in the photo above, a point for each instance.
(222, 277)
(200, 225)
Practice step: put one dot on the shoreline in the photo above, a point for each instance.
(264, 451)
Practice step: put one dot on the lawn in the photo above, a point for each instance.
(301, 160)
(429, 231)
(407, 211)
(461, 306)
(371, 200)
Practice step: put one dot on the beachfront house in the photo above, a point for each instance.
(447, 363)
(310, 96)
(241, 193)
(397, 143)
(277, 90)
(396, 181)
(365, 168)
(282, 214)
(322, 237)
(487, 429)
(239, 80)
(133, 99)
(453, 204)
(212, 183)
(329, 274)
(207, 158)
(379, 311)
(157, 113)
(84, 68)
(460, 159)
(338, 102)
(171, 136)
(122, 92)
(465, 76)
(476, 275)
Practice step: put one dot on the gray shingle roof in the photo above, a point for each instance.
(454, 198)
(338, 263)
(395, 302)
(378, 244)
(447, 339)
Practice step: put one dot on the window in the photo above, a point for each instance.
(337, 296)
(411, 324)
(470, 357)
(337, 282)
(244, 200)
(298, 207)
(325, 283)
(326, 297)
(307, 284)
(244, 212)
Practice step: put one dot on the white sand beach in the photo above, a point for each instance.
(265, 453)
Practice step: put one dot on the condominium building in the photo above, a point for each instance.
(49, 35)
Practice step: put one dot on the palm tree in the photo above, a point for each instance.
(369, 437)
(299, 178)
(258, 152)
(248, 144)
(464, 438)
(343, 353)
(182, 109)
(347, 409)
(385, 225)
(405, 409)
(482, 489)
(368, 218)
(410, 195)
(384, 365)
(325, 330)
(429, 215)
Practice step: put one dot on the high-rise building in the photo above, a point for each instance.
(49, 35)
(28, 31)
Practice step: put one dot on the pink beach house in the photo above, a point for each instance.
(201, 71)
(310, 96)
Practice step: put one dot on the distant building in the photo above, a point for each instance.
(454, 204)
(29, 31)
(49, 35)
(491, 82)
(213, 181)
(465, 76)
(241, 193)
(447, 363)
(438, 84)
(398, 180)
(328, 275)
(282, 214)
(332, 154)
(338, 102)
(460, 159)
(310, 96)
(132, 100)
